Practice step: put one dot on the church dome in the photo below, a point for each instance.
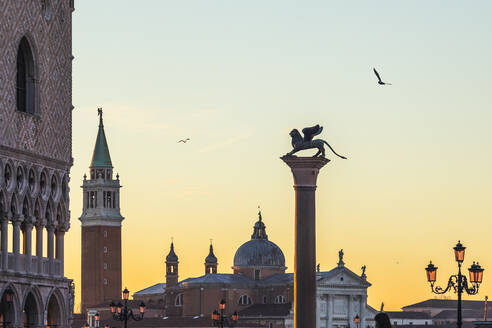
(259, 251)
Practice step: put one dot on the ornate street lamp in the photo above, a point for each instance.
(219, 318)
(123, 313)
(457, 282)
(357, 320)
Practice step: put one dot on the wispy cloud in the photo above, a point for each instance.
(226, 142)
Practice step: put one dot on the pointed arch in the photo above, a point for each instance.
(37, 212)
(26, 207)
(48, 212)
(14, 205)
(55, 308)
(9, 314)
(32, 306)
(26, 77)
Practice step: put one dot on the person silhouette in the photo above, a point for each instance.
(382, 320)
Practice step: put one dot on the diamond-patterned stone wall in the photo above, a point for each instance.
(47, 25)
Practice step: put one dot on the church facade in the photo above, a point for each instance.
(259, 289)
(35, 161)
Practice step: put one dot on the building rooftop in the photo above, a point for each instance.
(408, 315)
(445, 304)
(155, 289)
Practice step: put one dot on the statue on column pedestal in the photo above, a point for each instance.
(307, 142)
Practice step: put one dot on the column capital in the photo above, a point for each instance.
(39, 223)
(50, 226)
(305, 169)
(4, 216)
(17, 219)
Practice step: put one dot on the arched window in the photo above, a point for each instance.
(245, 300)
(26, 79)
(280, 299)
(179, 300)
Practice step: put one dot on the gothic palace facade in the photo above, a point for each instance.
(35, 161)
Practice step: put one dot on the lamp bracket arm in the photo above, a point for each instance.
(452, 283)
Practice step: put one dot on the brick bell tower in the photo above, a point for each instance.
(101, 228)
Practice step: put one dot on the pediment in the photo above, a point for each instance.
(341, 277)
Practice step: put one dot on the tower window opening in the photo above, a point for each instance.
(179, 300)
(105, 233)
(105, 266)
(257, 274)
(280, 299)
(104, 199)
(105, 249)
(114, 197)
(109, 199)
(92, 199)
(264, 299)
(105, 281)
(245, 300)
(26, 81)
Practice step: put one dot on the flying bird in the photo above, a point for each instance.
(184, 140)
(379, 78)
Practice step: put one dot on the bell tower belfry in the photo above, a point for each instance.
(101, 228)
(171, 268)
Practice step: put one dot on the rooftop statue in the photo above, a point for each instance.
(307, 142)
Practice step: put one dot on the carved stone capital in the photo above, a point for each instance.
(305, 169)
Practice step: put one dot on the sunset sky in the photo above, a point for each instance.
(236, 77)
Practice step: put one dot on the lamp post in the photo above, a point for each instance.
(219, 318)
(457, 282)
(123, 313)
(357, 320)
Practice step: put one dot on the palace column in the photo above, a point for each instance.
(39, 245)
(5, 246)
(305, 171)
(16, 222)
(28, 245)
(51, 241)
(60, 250)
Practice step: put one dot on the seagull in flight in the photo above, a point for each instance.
(184, 140)
(379, 78)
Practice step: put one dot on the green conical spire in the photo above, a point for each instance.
(101, 157)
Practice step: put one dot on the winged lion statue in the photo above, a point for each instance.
(307, 142)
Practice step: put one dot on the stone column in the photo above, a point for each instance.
(363, 306)
(351, 314)
(60, 250)
(330, 311)
(51, 232)
(39, 246)
(305, 171)
(16, 245)
(5, 242)
(28, 245)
